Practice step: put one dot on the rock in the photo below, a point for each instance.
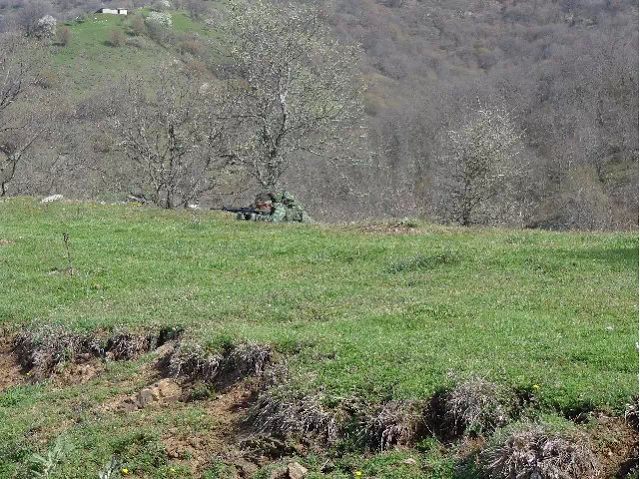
(51, 199)
(411, 460)
(279, 474)
(145, 397)
(296, 470)
(128, 405)
(167, 389)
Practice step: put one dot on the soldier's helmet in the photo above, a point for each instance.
(263, 202)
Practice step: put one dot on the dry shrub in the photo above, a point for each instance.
(191, 45)
(279, 411)
(276, 412)
(126, 346)
(191, 361)
(631, 413)
(116, 37)
(40, 351)
(478, 406)
(535, 452)
(232, 365)
(394, 423)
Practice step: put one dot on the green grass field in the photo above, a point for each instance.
(358, 310)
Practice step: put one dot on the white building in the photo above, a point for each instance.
(113, 11)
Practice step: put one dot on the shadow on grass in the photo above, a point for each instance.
(625, 257)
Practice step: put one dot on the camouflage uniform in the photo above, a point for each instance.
(277, 207)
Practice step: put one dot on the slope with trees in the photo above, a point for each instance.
(566, 72)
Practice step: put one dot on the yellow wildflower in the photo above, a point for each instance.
(536, 386)
(125, 471)
(358, 473)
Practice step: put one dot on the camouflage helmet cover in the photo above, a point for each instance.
(288, 197)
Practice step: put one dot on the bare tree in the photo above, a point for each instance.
(476, 174)
(295, 89)
(170, 136)
(21, 102)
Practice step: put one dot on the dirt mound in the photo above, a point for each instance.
(47, 352)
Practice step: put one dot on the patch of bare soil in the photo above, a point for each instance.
(615, 443)
(10, 372)
(221, 441)
(6, 242)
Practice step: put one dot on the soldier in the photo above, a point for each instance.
(263, 204)
(277, 207)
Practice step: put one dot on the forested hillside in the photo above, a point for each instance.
(553, 83)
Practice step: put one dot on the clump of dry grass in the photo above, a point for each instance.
(191, 361)
(631, 413)
(393, 423)
(127, 346)
(40, 351)
(276, 412)
(478, 406)
(244, 360)
(233, 364)
(534, 452)
(280, 412)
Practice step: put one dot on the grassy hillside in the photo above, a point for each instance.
(377, 312)
(90, 62)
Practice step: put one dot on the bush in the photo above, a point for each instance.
(63, 35)
(537, 451)
(478, 406)
(159, 18)
(116, 37)
(192, 46)
(135, 42)
(45, 28)
(138, 26)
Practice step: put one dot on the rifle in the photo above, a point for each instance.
(241, 213)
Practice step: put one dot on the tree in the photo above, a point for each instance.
(476, 175)
(21, 102)
(294, 89)
(170, 137)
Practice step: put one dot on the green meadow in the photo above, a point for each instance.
(398, 314)
(369, 310)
